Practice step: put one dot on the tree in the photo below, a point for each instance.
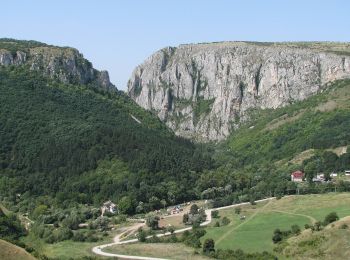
(71, 222)
(152, 221)
(277, 236)
(310, 171)
(331, 217)
(39, 210)
(154, 202)
(208, 246)
(194, 209)
(185, 218)
(126, 205)
(163, 202)
(141, 235)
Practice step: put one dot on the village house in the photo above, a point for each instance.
(297, 176)
(175, 210)
(109, 207)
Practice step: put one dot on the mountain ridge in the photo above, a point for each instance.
(65, 64)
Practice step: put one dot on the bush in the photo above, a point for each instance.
(331, 217)
(295, 229)
(208, 246)
(238, 210)
(79, 236)
(225, 221)
(307, 226)
(277, 237)
(217, 224)
(215, 214)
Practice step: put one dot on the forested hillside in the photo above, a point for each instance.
(52, 134)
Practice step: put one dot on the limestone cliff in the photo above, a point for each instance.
(203, 91)
(62, 63)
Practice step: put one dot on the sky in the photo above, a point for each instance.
(118, 35)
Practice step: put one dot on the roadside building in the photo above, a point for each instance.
(297, 176)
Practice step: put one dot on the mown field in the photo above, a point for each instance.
(254, 234)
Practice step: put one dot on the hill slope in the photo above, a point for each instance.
(279, 136)
(9, 251)
(54, 132)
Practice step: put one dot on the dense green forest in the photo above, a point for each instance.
(54, 136)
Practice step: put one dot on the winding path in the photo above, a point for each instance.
(98, 249)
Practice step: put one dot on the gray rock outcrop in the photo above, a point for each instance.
(203, 91)
(64, 64)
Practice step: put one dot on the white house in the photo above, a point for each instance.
(108, 206)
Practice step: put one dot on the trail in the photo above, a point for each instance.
(312, 219)
(98, 249)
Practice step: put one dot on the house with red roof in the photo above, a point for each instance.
(297, 176)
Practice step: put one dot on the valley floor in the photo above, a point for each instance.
(254, 234)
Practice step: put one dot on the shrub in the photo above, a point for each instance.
(217, 224)
(295, 229)
(225, 221)
(171, 229)
(331, 217)
(238, 210)
(208, 246)
(277, 237)
(215, 214)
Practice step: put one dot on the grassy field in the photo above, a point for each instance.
(255, 232)
(173, 250)
(9, 251)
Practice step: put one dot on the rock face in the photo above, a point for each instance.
(204, 91)
(65, 64)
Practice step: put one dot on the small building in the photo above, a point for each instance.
(109, 207)
(297, 176)
(347, 173)
(333, 174)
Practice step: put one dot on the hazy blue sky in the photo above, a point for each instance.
(118, 35)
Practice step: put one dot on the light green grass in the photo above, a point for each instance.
(255, 233)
